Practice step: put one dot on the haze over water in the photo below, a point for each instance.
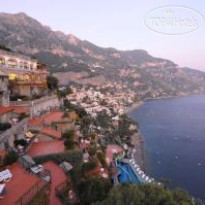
(174, 132)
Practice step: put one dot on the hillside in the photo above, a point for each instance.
(75, 60)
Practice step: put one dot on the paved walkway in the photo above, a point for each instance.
(8, 135)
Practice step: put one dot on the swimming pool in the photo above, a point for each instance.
(127, 174)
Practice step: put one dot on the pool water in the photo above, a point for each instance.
(127, 174)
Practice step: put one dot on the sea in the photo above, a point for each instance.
(174, 134)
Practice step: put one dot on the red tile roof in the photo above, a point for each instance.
(14, 188)
(52, 133)
(15, 109)
(47, 147)
(35, 122)
(5, 109)
(54, 116)
(58, 176)
(20, 110)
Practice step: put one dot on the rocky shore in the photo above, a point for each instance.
(138, 152)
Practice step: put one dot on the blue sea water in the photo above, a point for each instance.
(174, 133)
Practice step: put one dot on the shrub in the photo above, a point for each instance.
(93, 190)
(21, 142)
(4, 126)
(10, 158)
(22, 116)
(70, 134)
(74, 157)
(88, 166)
(101, 157)
(69, 144)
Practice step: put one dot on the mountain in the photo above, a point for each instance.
(73, 59)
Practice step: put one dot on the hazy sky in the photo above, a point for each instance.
(119, 24)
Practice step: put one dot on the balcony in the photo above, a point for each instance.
(32, 192)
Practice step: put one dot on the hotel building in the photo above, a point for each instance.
(26, 76)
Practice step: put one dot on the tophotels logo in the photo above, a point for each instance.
(173, 20)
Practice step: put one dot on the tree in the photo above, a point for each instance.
(63, 92)
(93, 190)
(10, 158)
(88, 166)
(69, 144)
(101, 157)
(150, 194)
(52, 82)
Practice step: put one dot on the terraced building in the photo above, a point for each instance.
(26, 76)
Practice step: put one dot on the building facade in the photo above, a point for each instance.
(4, 92)
(26, 76)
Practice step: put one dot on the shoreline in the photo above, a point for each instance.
(133, 106)
(138, 151)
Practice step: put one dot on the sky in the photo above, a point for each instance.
(119, 24)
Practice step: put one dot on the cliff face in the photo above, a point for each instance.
(67, 56)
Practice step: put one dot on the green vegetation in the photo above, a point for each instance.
(21, 142)
(52, 82)
(79, 110)
(3, 47)
(147, 195)
(63, 92)
(88, 166)
(103, 120)
(22, 116)
(42, 198)
(10, 158)
(4, 126)
(69, 144)
(74, 157)
(93, 190)
(15, 97)
(69, 137)
(101, 158)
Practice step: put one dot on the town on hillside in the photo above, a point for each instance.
(64, 144)
(53, 138)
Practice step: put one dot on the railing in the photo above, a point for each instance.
(62, 192)
(13, 54)
(31, 193)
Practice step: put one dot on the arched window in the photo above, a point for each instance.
(21, 64)
(2, 61)
(12, 63)
(26, 65)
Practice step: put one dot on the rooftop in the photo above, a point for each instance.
(14, 188)
(5, 109)
(52, 133)
(54, 116)
(58, 176)
(46, 147)
(15, 109)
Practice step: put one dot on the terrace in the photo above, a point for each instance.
(47, 147)
(58, 178)
(17, 194)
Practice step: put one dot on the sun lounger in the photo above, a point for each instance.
(37, 169)
(2, 188)
(5, 175)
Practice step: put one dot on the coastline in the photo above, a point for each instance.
(138, 152)
(133, 106)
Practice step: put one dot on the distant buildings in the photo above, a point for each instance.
(26, 76)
